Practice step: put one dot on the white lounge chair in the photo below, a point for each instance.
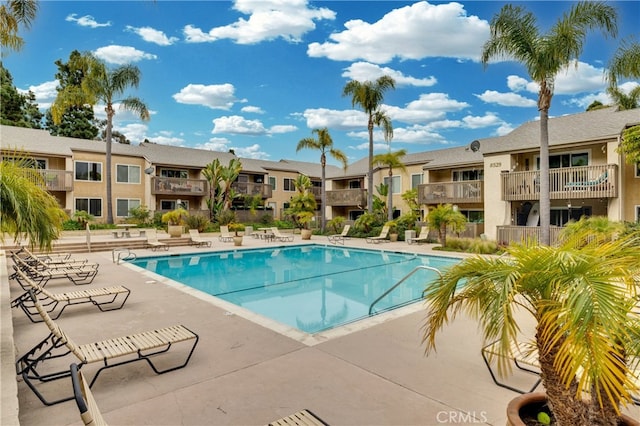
(381, 237)
(422, 237)
(280, 236)
(152, 241)
(225, 235)
(197, 240)
(339, 238)
(89, 411)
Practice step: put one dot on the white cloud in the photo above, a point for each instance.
(282, 128)
(603, 96)
(121, 55)
(377, 147)
(365, 71)
(45, 93)
(504, 129)
(573, 80)
(214, 96)
(215, 144)
(416, 31)
(152, 35)
(252, 109)
(506, 99)
(254, 151)
(135, 132)
(478, 122)
(238, 125)
(268, 20)
(86, 21)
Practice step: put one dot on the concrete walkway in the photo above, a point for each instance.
(242, 373)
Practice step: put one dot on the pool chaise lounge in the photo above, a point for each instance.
(89, 411)
(196, 240)
(302, 418)
(280, 236)
(590, 184)
(225, 236)
(339, 238)
(422, 237)
(110, 352)
(77, 274)
(105, 298)
(152, 241)
(382, 237)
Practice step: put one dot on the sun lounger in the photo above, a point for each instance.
(80, 274)
(339, 238)
(197, 240)
(152, 241)
(422, 237)
(225, 236)
(277, 235)
(382, 237)
(301, 418)
(106, 299)
(50, 259)
(89, 411)
(590, 184)
(109, 353)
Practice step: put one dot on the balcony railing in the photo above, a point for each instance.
(176, 186)
(566, 183)
(468, 191)
(347, 197)
(529, 235)
(57, 180)
(252, 188)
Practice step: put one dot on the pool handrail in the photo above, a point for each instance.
(393, 287)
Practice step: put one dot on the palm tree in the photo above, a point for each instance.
(445, 216)
(625, 62)
(369, 95)
(582, 297)
(14, 13)
(324, 144)
(211, 173)
(26, 208)
(514, 34)
(103, 85)
(623, 100)
(391, 160)
(228, 175)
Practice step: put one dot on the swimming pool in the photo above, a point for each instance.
(310, 287)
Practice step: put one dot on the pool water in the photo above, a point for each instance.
(310, 287)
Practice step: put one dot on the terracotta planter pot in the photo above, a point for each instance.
(539, 398)
(175, 231)
(305, 234)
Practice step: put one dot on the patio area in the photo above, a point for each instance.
(246, 371)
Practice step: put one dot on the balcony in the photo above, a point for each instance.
(176, 186)
(347, 197)
(567, 183)
(468, 191)
(528, 235)
(252, 188)
(57, 180)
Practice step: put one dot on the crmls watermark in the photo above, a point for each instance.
(458, 417)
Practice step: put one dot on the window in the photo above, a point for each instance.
(472, 174)
(476, 216)
(354, 184)
(288, 185)
(571, 159)
(93, 206)
(86, 170)
(638, 170)
(174, 173)
(173, 204)
(124, 205)
(416, 180)
(637, 213)
(127, 174)
(272, 182)
(397, 184)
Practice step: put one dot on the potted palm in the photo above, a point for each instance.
(582, 295)
(301, 208)
(393, 230)
(175, 221)
(235, 228)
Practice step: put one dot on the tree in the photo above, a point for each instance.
(514, 34)
(445, 216)
(77, 121)
(14, 13)
(324, 144)
(228, 175)
(103, 85)
(211, 173)
(17, 109)
(391, 160)
(582, 297)
(625, 101)
(26, 208)
(369, 96)
(625, 62)
(303, 204)
(630, 144)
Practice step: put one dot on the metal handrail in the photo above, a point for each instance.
(393, 287)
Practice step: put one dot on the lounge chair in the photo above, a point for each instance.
(109, 353)
(339, 238)
(590, 184)
(225, 236)
(89, 411)
(77, 274)
(301, 418)
(280, 236)
(152, 241)
(381, 237)
(197, 240)
(423, 236)
(106, 299)
(51, 259)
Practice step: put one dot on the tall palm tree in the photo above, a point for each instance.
(369, 95)
(514, 34)
(211, 173)
(14, 13)
(324, 144)
(625, 62)
(228, 175)
(623, 100)
(26, 208)
(392, 161)
(103, 85)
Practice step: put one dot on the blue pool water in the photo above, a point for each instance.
(310, 287)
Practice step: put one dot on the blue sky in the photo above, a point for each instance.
(257, 76)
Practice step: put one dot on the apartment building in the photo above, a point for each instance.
(492, 181)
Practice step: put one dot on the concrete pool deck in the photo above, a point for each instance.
(242, 373)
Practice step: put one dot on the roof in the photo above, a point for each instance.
(587, 126)
(159, 154)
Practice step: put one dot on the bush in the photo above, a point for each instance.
(225, 217)
(471, 245)
(197, 221)
(140, 215)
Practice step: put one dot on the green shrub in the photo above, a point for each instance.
(225, 217)
(197, 221)
(471, 245)
(140, 215)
